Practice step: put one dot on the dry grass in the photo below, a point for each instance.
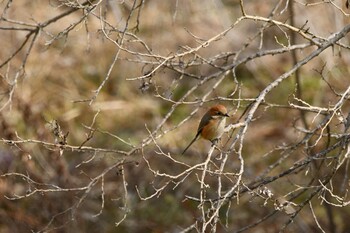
(60, 78)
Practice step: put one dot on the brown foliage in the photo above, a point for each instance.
(99, 98)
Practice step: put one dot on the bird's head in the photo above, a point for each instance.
(218, 111)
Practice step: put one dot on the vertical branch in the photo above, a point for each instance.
(295, 61)
(203, 187)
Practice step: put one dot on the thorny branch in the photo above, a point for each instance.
(308, 162)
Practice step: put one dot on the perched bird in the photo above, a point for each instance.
(212, 125)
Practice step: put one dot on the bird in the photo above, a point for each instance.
(212, 125)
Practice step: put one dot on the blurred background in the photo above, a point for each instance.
(97, 98)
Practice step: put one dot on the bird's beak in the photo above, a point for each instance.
(226, 115)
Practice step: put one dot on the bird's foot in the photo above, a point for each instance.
(214, 142)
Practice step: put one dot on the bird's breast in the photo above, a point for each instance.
(214, 129)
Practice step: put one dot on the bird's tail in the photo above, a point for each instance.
(193, 140)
